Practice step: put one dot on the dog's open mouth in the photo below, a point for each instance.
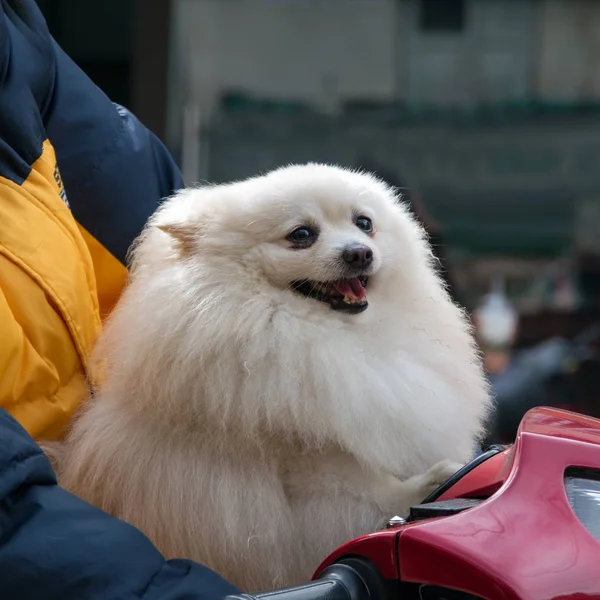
(348, 295)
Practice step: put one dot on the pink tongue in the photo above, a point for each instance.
(350, 287)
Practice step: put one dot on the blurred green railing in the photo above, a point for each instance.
(236, 102)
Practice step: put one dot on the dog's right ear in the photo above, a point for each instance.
(180, 231)
(184, 233)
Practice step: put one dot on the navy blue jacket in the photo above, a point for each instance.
(54, 546)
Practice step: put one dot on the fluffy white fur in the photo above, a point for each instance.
(253, 429)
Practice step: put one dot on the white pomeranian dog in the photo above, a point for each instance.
(284, 372)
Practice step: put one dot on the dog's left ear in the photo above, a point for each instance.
(183, 233)
(180, 231)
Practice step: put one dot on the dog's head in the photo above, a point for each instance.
(321, 234)
(300, 303)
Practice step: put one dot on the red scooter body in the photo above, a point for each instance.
(511, 532)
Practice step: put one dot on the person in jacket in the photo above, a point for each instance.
(79, 177)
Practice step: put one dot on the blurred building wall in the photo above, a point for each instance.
(316, 51)
(307, 50)
(513, 180)
(569, 51)
(323, 51)
(487, 60)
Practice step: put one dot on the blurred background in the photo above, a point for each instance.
(487, 112)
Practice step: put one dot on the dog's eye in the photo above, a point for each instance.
(365, 224)
(302, 236)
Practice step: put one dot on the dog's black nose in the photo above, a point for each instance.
(358, 256)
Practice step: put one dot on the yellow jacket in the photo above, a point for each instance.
(64, 232)
(55, 283)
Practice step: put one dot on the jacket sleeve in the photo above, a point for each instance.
(115, 171)
(54, 546)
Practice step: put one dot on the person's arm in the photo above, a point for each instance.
(115, 170)
(54, 546)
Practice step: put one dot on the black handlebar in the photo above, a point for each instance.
(328, 589)
(350, 579)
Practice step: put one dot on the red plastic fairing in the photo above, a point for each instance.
(484, 480)
(379, 548)
(524, 542)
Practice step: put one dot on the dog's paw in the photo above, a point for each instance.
(400, 496)
(441, 472)
(436, 476)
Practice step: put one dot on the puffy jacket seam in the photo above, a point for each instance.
(20, 458)
(147, 590)
(51, 397)
(45, 285)
(48, 212)
(44, 358)
(16, 463)
(143, 593)
(73, 329)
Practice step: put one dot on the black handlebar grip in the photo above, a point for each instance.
(327, 589)
(352, 579)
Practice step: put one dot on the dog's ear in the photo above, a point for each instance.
(183, 233)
